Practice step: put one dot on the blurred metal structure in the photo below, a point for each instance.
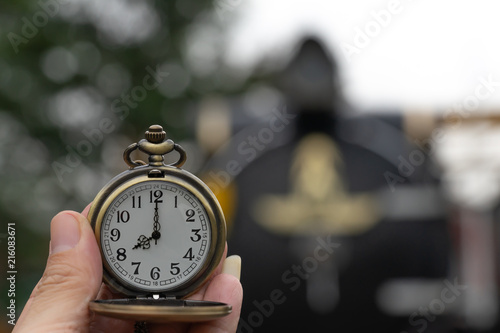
(333, 211)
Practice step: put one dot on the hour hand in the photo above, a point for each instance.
(143, 242)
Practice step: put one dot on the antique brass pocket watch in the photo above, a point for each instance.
(161, 234)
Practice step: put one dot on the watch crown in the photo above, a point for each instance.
(155, 134)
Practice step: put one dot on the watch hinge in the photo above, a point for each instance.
(169, 297)
(155, 296)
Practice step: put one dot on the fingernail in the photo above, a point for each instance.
(232, 266)
(64, 233)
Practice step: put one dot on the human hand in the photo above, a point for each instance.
(73, 275)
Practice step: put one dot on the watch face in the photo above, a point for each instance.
(155, 236)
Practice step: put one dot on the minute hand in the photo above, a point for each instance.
(156, 225)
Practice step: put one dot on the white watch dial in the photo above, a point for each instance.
(155, 236)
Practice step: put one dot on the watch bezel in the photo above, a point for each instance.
(196, 187)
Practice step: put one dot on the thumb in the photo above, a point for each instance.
(71, 279)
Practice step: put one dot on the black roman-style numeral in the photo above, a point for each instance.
(189, 254)
(136, 201)
(122, 216)
(137, 264)
(155, 196)
(190, 215)
(196, 237)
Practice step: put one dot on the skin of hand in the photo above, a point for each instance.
(73, 278)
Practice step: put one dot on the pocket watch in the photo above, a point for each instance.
(161, 234)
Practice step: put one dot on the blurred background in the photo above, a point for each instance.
(353, 145)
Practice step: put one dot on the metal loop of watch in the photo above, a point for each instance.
(155, 146)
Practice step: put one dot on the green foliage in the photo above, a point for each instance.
(65, 67)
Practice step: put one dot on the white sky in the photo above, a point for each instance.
(430, 54)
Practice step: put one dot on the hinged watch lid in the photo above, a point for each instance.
(160, 310)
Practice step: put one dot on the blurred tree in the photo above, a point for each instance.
(79, 81)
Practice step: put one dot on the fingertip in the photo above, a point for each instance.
(84, 224)
(232, 266)
(85, 212)
(64, 232)
(65, 227)
(68, 228)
